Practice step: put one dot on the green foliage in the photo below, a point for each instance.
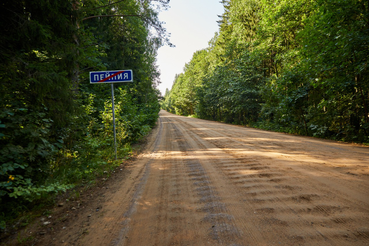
(182, 99)
(56, 128)
(296, 66)
(36, 100)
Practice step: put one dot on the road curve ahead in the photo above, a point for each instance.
(207, 183)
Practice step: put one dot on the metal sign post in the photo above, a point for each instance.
(115, 133)
(103, 77)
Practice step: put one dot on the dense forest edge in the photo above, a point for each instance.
(295, 66)
(56, 128)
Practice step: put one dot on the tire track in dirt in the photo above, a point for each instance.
(296, 150)
(210, 156)
(222, 229)
(138, 191)
(270, 193)
(183, 206)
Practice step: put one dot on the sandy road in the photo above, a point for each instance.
(206, 183)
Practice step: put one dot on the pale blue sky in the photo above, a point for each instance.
(192, 23)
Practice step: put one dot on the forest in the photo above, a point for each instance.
(55, 127)
(295, 66)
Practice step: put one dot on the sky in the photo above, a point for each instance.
(192, 24)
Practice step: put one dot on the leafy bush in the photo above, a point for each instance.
(26, 148)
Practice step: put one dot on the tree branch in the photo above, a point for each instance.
(96, 16)
(107, 5)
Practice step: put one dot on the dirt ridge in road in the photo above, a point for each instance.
(138, 190)
(262, 174)
(222, 223)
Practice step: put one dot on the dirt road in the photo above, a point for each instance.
(207, 183)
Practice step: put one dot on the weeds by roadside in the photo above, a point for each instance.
(72, 169)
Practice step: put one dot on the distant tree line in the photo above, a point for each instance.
(298, 66)
(54, 125)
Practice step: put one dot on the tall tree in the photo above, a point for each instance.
(48, 108)
(299, 66)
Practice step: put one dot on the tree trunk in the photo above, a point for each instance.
(366, 116)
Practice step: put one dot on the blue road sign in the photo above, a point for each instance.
(117, 76)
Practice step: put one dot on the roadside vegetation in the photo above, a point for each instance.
(297, 66)
(56, 128)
